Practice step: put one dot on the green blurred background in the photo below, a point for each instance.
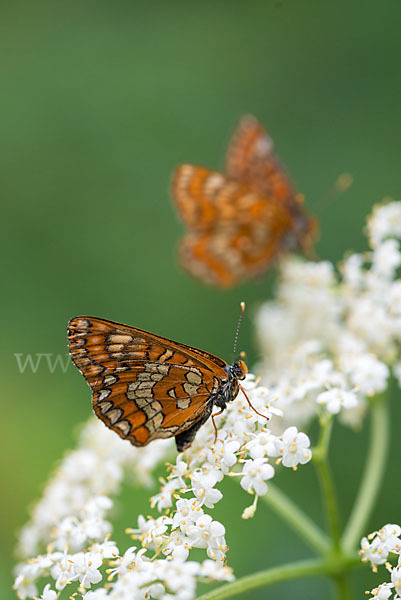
(100, 101)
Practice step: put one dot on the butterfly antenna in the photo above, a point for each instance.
(238, 326)
(343, 182)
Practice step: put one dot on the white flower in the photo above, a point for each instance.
(216, 571)
(24, 584)
(125, 562)
(352, 270)
(107, 549)
(164, 499)
(384, 222)
(383, 592)
(179, 469)
(396, 579)
(86, 566)
(336, 398)
(203, 487)
(187, 512)
(206, 533)
(27, 574)
(98, 594)
(48, 594)
(370, 320)
(223, 454)
(178, 546)
(69, 535)
(369, 375)
(63, 571)
(179, 578)
(384, 541)
(95, 468)
(262, 444)
(151, 532)
(386, 258)
(294, 448)
(255, 472)
(131, 585)
(155, 590)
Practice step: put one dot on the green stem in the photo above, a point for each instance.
(320, 458)
(325, 435)
(297, 570)
(294, 516)
(342, 586)
(372, 475)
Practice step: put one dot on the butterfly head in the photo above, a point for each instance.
(307, 237)
(239, 369)
(304, 230)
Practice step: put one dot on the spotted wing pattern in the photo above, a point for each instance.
(233, 229)
(250, 158)
(231, 256)
(144, 386)
(240, 221)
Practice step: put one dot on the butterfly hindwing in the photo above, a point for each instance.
(231, 256)
(144, 386)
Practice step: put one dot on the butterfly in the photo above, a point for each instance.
(146, 387)
(239, 221)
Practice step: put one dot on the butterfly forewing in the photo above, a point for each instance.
(144, 386)
(250, 158)
(206, 199)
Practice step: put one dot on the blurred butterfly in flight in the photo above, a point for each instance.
(238, 222)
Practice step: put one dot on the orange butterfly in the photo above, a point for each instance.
(240, 221)
(146, 387)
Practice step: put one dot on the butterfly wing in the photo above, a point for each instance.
(207, 199)
(234, 230)
(144, 386)
(251, 159)
(229, 256)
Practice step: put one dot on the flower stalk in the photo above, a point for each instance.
(373, 472)
(294, 516)
(288, 572)
(320, 459)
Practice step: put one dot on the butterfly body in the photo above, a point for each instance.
(226, 392)
(239, 221)
(146, 387)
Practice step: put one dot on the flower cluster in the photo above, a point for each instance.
(70, 520)
(329, 339)
(76, 500)
(377, 549)
(329, 342)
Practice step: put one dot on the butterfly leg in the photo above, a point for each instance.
(214, 423)
(184, 440)
(251, 405)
